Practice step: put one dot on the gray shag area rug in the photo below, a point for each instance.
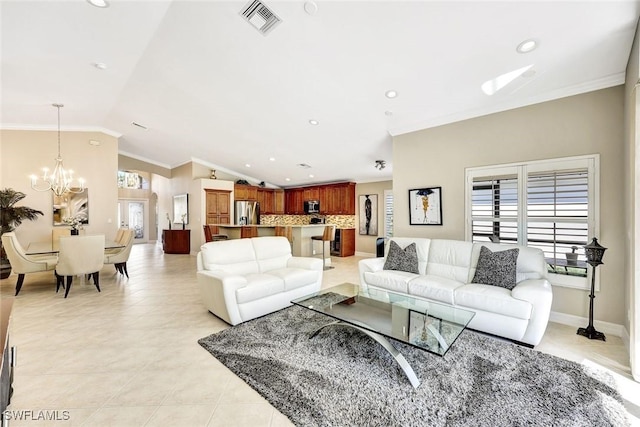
(344, 378)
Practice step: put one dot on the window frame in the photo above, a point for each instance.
(522, 170)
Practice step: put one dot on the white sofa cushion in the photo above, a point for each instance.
(434, 288)
(294, 278)
(233, 256)
(450, 259)
(271, 252)
(391, 280)
(259, 285)
(492, 299)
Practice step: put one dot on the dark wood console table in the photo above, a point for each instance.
(176, 241)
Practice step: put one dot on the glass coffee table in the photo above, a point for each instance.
(427, 325)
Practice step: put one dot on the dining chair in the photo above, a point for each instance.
(328, 236)
(22, 263)
(119, 256)
(58, 232)
(79, 255)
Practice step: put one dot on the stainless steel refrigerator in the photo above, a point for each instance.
(247, 213)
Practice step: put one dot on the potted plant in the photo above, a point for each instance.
(572, 258)
(11, 216)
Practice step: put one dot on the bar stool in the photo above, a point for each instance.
(329, 235)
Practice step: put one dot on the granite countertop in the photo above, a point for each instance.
(267, 226)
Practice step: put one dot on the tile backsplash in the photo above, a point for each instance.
(340, 221)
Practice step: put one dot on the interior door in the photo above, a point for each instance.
(134, 214)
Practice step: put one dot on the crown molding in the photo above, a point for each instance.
(14, 126)
(144, 159)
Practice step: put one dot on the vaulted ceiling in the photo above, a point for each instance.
(207, 85)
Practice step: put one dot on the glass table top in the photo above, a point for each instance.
(431, 326)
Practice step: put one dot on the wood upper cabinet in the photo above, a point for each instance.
(338, 199)
(218, 206)
(293, 204)
(311, 193)
(335, 199)
(245, 192)
(278, 202)
(271, 201)
(265, 201)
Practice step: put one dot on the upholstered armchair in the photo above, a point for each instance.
(119, 256)
(80, 255)
(22, 263)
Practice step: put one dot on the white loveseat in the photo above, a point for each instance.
(243, 279)
(446, 271)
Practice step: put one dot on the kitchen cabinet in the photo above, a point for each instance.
(271, 201)
(338, 199)
(294, 201)
(265, 200)
(218, 206)
(245, 192)
(311, 193)
(344, 243)
(335, 199)
(176, 241)
(278, 202)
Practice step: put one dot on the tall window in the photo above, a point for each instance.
(550, 205)
(388, 213)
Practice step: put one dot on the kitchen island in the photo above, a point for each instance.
(301, 243)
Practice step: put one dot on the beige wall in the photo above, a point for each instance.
(632, 205)
(127, 163)
(23, 153)
(367, 244)
(577, 125)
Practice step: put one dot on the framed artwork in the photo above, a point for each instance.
(368, 210)
(71, 205)
(425, 206)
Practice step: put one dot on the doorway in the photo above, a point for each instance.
(134, 214)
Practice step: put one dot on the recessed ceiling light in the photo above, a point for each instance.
(94, 143)
(100, 65)
(287, 179)
(310, 7)
(272, 159)
(310, 175)
(527, 46)
(99, 3)
(247, 165)
(391, 94)
(314, 122)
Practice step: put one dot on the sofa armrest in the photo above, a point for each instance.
(306, 263)
(218, 291)
(540, 294)
(369, 265)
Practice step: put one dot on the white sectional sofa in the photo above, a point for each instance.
(446, 269)
(247, 278)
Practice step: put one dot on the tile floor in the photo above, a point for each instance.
(129, 356)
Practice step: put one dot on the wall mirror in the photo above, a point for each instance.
(71, 205)
(181, 209)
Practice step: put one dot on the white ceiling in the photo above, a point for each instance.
(210, 87)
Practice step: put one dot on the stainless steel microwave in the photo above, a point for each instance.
(311, 206)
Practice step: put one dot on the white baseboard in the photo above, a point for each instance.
(581, 322)
(365, 254)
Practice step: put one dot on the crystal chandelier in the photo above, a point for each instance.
(60, 181)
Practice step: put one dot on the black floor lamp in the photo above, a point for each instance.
(594, 253)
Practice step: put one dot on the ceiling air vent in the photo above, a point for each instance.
(260, 17)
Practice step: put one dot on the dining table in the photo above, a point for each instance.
(44, 248)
